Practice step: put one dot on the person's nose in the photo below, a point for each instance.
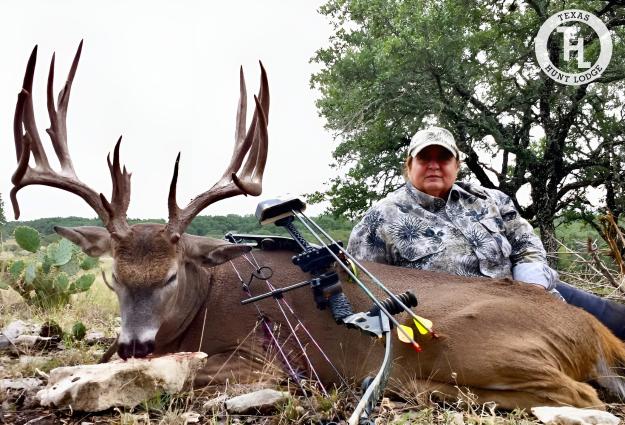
(433, 164)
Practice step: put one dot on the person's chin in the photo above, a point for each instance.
(434, 183)
(433, 188)
(433, 180)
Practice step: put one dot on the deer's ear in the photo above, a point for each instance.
(93, 240)
(212, 252)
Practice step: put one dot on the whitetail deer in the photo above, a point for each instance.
(507, 342)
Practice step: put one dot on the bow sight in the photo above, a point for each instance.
(326, 285)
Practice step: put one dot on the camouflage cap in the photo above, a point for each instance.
(432, 136)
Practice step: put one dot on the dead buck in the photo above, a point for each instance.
(507, 342)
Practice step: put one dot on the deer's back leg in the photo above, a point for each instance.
(552, 387)
(552, 391)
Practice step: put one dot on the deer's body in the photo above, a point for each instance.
(507, 342)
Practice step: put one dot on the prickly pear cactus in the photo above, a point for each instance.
(49, 275)
(28, 238)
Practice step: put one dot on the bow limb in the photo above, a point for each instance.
(375, 389)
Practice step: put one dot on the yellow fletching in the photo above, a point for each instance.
(424, 326)
(354, 270)
(401, 335)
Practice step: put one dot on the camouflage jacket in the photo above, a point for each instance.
(476, 232)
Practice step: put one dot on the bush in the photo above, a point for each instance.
(49, 275)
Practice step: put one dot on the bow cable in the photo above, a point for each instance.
(304, 220)
(292, 372)
(362, 286)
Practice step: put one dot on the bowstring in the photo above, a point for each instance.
(310, 336)
(297, 339)
(292, 372)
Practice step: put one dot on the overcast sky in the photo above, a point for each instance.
(164, 75)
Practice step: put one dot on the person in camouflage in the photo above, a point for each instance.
(436, 223)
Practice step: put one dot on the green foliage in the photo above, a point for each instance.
(392, 67)
(60, 253)
(45, 226)
(3, 218)
(28, 238)
(82, 284)
(79, 330)
(49, 275)
(88, 263)
(214, 226)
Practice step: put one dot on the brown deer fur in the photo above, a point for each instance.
(505, 341)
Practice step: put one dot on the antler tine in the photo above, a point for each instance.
(58, 119)
(242, 144)
(27, 114)
(174, 211)
(263, 93)
(22, 164)
(28, 141)
(120, 197)
(241, 118)
(254, 144)
(252, 174)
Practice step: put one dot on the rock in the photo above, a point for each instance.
(190, 418)
(93, 337)
(20, 392)
(215, 403)
(262, 401)
(34, 341)
(21, 384)
(5, 344)
(20, 327)
(573, 416)
(92, 388)
(21, 334)
(458, 419)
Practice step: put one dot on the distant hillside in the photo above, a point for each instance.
(574, 235)
(215, 226)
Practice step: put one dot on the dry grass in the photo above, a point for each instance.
(588, 272)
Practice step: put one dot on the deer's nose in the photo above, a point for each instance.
(135, 348)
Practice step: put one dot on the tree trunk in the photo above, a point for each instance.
(548, 238)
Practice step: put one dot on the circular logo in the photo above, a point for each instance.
(588, 72)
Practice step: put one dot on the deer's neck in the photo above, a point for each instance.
(194, 288)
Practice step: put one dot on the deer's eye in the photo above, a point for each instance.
(171, 279)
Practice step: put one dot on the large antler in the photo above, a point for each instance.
(27, 141)
(249, 179)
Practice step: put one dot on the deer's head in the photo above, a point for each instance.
(148, 259)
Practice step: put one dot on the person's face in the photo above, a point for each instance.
(434, 171)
